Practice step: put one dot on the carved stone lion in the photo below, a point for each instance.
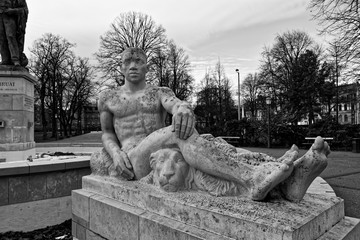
(171, 173)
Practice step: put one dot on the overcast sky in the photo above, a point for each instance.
(234, 31)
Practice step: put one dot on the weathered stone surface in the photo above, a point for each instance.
(73, 229)
(17, 82)
(81, 173)
(107, 215)
(17, 146)
(14, 168)
(81, 162)
(80, 232)
(18, 189)
(17, 115)
(153, 226)
(348, 228)
(4, 191)
(143, 224)
(37, 187)
(81, 207)
(44, 166)
(6, 102)
(93, 236)
(60, 184)
(229, 216)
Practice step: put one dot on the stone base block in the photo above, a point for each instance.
(145, 212)
(102, 218)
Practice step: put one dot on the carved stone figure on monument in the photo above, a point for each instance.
(137, 143)
(13, 18)
(171, 173)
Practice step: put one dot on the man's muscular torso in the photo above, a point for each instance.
(135, 115)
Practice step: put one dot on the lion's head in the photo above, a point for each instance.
(169, 169)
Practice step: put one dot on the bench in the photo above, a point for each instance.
(310, 140)
(235, 141)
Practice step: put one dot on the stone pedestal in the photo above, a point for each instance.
(108, 209)
(16, 115)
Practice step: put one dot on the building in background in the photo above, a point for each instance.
(348, 104)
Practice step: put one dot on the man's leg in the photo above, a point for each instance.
(140, 155)
(259, 177)
(10, 29)
(4, 50)
(205, 156)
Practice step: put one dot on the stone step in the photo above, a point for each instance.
(347, 229)
(231, 217)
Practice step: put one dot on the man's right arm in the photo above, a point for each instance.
(112, 144)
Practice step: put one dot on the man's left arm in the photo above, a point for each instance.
(183, 120)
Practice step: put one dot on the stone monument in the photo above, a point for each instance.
(16, 85)
(16, 115)
(187, 186)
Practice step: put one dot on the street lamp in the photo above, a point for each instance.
(268, 102)
(239, 106)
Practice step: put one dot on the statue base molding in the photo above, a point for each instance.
(106, 208)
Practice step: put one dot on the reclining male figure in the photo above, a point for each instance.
(133, 124)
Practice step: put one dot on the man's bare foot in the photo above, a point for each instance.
(270, 174)
(290, 154)
(306, 169)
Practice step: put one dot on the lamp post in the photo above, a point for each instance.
(268, 102)
(239, 106)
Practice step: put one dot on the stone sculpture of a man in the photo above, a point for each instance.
(13, 18)
(132, 120)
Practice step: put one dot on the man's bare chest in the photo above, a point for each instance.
(122, 105)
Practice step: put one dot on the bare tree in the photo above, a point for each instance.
(341, 19)
(215, 104)
(76, 90)
(180, 80)
(50, 55)
(251, 89)
(64, 81)
(286, 67)
(218, 74)
(132, 29)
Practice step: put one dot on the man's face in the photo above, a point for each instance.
(134, 66)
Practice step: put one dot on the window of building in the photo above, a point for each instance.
(345, 107)
(345, 118)
(340, 107)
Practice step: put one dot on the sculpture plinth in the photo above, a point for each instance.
(16, 115)
(108, 209)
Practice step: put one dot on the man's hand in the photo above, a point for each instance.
(123, 165)
(183, 122)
